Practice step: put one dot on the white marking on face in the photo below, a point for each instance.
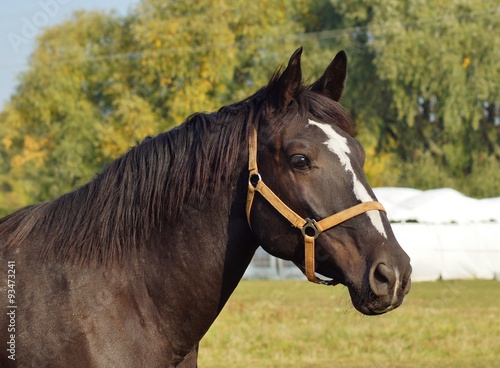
(338, 145)
(396, 287)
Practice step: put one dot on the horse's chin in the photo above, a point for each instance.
(363, 300)
(368, 305)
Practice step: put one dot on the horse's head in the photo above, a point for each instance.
(308, 159)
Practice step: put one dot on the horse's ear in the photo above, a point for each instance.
(331, 83)
(283, 89)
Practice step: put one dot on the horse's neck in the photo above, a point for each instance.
(199, 261)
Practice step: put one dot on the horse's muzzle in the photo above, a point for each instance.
(386, 288)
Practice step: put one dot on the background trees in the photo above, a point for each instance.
(423, 85)
(440, 63)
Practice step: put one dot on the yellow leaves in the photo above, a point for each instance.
(33, 152)
(466, 63)
(379, 167)
(113, 143)
(7, 142)
(16, 197)
(193, 97)
(31, 144)
(158, 43)
(131, 121)
(164, 81)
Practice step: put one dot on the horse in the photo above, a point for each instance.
(132, 268)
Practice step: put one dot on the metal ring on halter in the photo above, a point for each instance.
(257, 176)
(310, 224)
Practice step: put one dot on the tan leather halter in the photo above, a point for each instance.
(310, 228)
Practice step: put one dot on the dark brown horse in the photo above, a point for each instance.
(131, 269)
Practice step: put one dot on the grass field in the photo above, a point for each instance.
(298, 324)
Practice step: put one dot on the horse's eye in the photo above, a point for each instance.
(300, 162)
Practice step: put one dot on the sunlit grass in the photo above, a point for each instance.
(298, 324)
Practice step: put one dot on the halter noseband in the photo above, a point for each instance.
(310, 228)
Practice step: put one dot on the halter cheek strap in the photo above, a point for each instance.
(310, 228)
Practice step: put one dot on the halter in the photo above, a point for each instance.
(310, 228)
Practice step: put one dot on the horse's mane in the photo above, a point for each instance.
(122, 206)
(151, 183)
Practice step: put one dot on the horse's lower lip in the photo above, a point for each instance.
(373, 312)
(371, 307)
(382, 311)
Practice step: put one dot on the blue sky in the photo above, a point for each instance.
(21, 21)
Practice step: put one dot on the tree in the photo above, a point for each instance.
(436, 100)
(99, 83)
(439, 60)
(61, 124)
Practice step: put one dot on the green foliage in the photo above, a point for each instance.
(484, 179)
(440, 62)
(428, 90)
(423, 85)
(63, 112)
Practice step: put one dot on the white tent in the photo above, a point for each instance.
(446, 234)
(437, 206)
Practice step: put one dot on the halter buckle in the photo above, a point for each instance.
(310, 224)
(254, 179)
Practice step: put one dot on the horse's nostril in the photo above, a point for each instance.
(382, 279)
(381, 273)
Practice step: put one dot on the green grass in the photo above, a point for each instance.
(298, 324)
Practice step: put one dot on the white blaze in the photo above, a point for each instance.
(338, 145)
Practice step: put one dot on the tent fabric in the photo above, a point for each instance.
(437, 206)
(451, 251)
(447, 234)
